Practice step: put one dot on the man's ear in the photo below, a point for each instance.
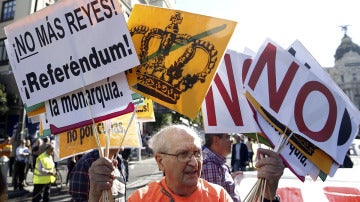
(215, 138)
(159, 160)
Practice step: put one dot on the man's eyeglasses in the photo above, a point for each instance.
(185, 157)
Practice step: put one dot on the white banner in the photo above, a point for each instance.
(68, 45)
(225, 108)
(301, 100)
(102, 98)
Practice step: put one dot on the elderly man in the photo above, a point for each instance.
(215, 169)
(177, 151)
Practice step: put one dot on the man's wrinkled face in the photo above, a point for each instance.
(182, 167)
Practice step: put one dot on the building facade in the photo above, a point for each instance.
(346, 72)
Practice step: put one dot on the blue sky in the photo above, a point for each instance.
(314, 23)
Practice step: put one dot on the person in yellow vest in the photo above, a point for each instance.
(44, 174)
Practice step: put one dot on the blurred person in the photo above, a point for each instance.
(6, 147)
(3, 187)
(22, 154)
(126, 158)
(46, 140)
(249, 144)
(28, 161)
(71, 162)
(215, 169)
(80, 178)
(44, 175)
(15, 142)
(177, 151)
(5, 150)
(240, 154)
(14, 145)
(145, 142)
(36, 150)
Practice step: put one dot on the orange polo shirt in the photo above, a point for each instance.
(205, 192)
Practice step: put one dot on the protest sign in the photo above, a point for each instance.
(80, 140)
(179, 54)
(348, 132)
(293, 157)
(225, 108)
(108, 98)
(145, 111)
(44, 128)
(309, 150)
(66, 46)
(35, 109)
(298, 98)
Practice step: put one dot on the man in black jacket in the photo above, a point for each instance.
(239, 154)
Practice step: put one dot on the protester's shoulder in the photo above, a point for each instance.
(214, 190)
(87, 159)
(207, 153)
(210, 187)
(210, 158)
(149, 191)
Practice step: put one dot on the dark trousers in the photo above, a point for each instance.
(11, 165)
(41, 189)
(238, 165)
(19, 174)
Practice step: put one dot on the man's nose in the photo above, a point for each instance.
(193, 160)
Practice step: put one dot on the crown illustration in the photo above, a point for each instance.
(163, 80)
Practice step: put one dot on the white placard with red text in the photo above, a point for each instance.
(301, 100)
(225, 108)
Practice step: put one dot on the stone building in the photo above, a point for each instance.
(346, 72)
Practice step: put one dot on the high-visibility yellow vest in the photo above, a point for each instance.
(49, 165)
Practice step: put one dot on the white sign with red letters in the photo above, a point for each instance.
(301, 100)
(225, 108)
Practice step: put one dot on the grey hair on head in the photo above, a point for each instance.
(159, 142)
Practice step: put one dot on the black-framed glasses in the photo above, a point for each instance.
(185, 157)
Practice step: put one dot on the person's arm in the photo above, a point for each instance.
(101, 176)
(271, 168)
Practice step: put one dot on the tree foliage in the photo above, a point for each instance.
(167, 117)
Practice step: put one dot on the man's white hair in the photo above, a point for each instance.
(159, 142)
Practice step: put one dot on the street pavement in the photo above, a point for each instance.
(141, 173)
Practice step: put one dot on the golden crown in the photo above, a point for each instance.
(155, 76)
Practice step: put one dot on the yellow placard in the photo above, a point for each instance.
(145, 112)
(179, 54)
(82, 139)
